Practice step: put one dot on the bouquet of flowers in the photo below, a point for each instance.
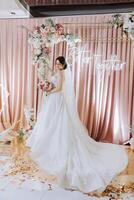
(46, 86)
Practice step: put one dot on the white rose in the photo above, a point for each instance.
(36, 45)
(38, 51)
(35, 59)
(52, 29)
(62, 38)
(42, 30)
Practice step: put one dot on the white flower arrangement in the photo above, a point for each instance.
(41, 72)
(42, 39)
(116, 21)
(29, 115)
(126, 21)
(131, 140)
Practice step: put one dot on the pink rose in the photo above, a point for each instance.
(41, 85)
(43, 34)
(46, 50)
(59, 29)
(37, 29)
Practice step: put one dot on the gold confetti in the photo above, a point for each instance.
(22, 164)
(113, 191)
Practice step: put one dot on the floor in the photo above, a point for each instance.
(18, 179)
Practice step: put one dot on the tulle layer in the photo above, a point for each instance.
(65, 150)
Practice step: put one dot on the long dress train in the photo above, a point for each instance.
(65, 150)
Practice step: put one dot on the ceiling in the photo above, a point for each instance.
(43, 8)
(63, 2)
(12, 9)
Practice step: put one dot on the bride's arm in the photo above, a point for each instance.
(59, 84)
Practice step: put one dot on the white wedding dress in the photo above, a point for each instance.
(60, 145)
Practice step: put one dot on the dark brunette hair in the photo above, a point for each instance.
(62, 60)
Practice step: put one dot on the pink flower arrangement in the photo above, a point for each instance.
(42, 38)
(59, 29)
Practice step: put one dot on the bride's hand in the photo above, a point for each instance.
(50, 87)
(46, 86)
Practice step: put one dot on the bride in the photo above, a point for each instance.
(60, 143)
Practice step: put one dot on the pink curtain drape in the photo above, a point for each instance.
(106, 107)
(16, 74)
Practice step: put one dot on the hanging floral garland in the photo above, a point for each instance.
(126, 21)
(43, 38)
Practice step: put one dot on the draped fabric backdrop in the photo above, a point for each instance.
(105, 106)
